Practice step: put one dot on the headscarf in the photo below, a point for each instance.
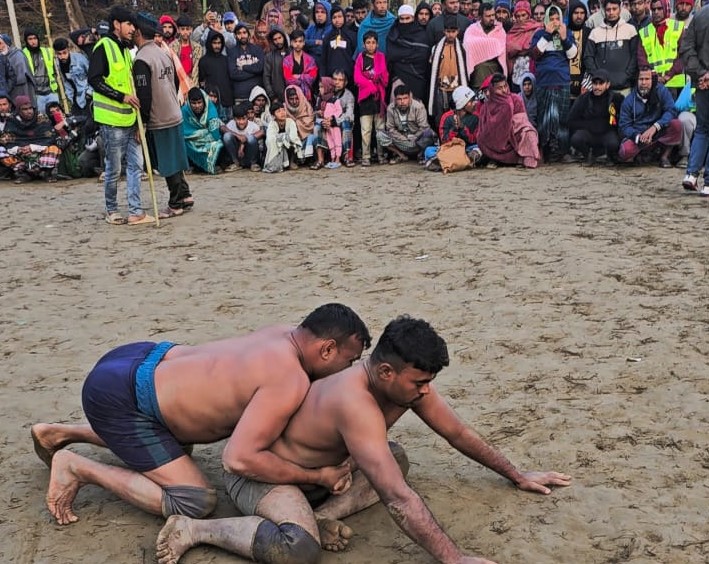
(261, 41)
(327, 90)
(302, 114)
(519, 37)
(555, 37)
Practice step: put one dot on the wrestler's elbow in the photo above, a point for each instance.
(238, 461)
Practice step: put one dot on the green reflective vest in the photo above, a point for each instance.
(659, 57)
(108, 111)
(48, 58)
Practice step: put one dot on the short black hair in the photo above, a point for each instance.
(338, 322)
(60, 43)
(406, 340)
(296, 34)
(485, 7)
(240, 110)
(340, 72)
(402, 90)
(370, 34)
(360, 5)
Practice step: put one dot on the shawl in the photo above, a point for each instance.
(503, 131)
(530, 104)
(277, 145)
(408, 54)
(185, 82)
(265, 116)
(380, 26)
(264, 43)
(519, 39)
(436, 65)
(327, 91)
(202, 136)
(302, 114)
(37, 131)
(480, 46)
(307, 77)
(374, 82)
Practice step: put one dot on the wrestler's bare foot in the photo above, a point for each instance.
(334, 534)
(174, 539)
(63, 486)
(47, 441)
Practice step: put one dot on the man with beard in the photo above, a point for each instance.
(360, 9)
(114, 108)
(73, 69)
(317, 30)
(485, 44)
(213, 70)
(85, 39)
(683, 11)
(613, 45)
(639, 17)
(406, 133)
(647, 121)
(579, 31)
(379, 20)
(423, 14)
(168, 26)
(156, 88)
(30, 144)
(189, 52)
(503, 14)
(659, 48)
(245, 65)
(273, 80)
(339, 46)
(436, 27)
(41, 65)
(408, 53)
(599, 14)
(594, 120)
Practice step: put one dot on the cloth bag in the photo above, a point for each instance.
(684, 101)
(452, 156)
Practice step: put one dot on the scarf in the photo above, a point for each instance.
(37, 131)
(372, 83)
(202, 137)
(519, 40)
(480, 46)
(302, 114)
(327, 91)
(438, 51)
(379, 25)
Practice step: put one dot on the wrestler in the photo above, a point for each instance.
(348, 415)
(146, 401)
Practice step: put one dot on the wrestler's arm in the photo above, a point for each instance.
(264, 419)
(440, 417)
(363, 429)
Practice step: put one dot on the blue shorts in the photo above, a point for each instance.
(120, 403)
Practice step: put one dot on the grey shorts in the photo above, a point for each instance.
(247, 493)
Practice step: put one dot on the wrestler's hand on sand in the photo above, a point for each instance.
(337, 479)
(536, 481)
(473, 560)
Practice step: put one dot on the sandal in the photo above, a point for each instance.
(140, 219)
(349, 163)
(169, 212)
(187, 203)
(317, 165)
(115, 218)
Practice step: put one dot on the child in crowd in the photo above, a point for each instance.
(281, 138)
(241, 139)
(371, 78)
(327, 128)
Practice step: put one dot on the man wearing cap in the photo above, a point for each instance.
(503, 14)
(156, 88)
(435, 28)
(41, 64)
(448, 70)
(245, 62)
(168, 27)
(683, 11)
(613, 45)
(189, 52)
(593, 120)
(114, 109)
(73, 68)
(485, 44)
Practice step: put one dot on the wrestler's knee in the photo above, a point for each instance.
(400, 456)
(191, 501)
(286, 543)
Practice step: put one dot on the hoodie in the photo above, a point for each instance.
(214, 71)
(273, 80)
(317, 32)
(613, 48)
(530, 103)
(580, 33)
(339, 46)
(552, 54)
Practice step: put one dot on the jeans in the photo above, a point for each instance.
(232, 145)
(120, 141)
(44, 99)
(699, 150)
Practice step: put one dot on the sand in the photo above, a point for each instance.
(575, 303)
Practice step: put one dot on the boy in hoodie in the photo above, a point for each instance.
(339, 46)
(317, 30)
(245, 65)
(273, 80)
(578, 14)
(213, 73)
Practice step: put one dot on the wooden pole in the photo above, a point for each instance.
(57, 71)
(13, 23)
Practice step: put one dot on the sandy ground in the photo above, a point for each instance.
(545, 284)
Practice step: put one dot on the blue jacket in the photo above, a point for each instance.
(636, 116)
(76, 81)
(317, 33)
(552, 65)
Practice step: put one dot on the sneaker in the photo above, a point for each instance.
(333, 164)
(233, 167)
(689, 183)
(703, 191)
(255, 168)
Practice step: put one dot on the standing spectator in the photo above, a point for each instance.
(339, 47)
(155, 88)
(360, 9)
(613, 45)
(435, 28)
(447, 70)
(552, 48)
(503, 14)
(114, 108)
(519, 44)
(24, 81)
(245, 65)
(408, 53)
(647, 121)
(213, 71)
(379, 20)
(188, 51)
(538, 13)
(683, 11)
(273, 79)
(7, 75)
(594, 120)
(371, 78)
(578, 15)
(639, 16)
(41, 65)
(694, 50)
(317, 30)
(169, 29)
(73, 69)
(423, 14)
(283, 6)
(211, 22)
(299, 68)
(485, 45)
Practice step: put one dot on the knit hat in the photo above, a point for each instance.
(103, 28)
(461, 96)
(29, 32)
(505, 4)
(6, 38)
(523, 6)
(22, 100)
(405, 10)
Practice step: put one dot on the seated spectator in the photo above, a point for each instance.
(594, 120)
(261, 105)
(299, 68)
(301, 112)
(529, 97)
(201, 126)
(505, 134)
(69, 131)
(648, 121)
(283, 145)
(406, 133)
(338, 128)
(241, 139)
(6, 112)
(30, 144)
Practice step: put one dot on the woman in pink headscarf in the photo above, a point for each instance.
(519, 39)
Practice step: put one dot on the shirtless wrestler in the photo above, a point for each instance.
(348, 414)
(146, 401)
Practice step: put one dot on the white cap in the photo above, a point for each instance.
(405, 10)
(461, 96)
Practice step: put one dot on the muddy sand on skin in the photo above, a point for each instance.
(334, 534)
(62, 489)
(172, 541)
(544, 283)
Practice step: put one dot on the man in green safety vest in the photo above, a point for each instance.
(41, 64)
(115, 110)
(659, 47)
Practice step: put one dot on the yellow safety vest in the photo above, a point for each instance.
(108, 111)
(659, 57)
(48, 57)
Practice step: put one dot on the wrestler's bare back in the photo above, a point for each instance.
(203, 390)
